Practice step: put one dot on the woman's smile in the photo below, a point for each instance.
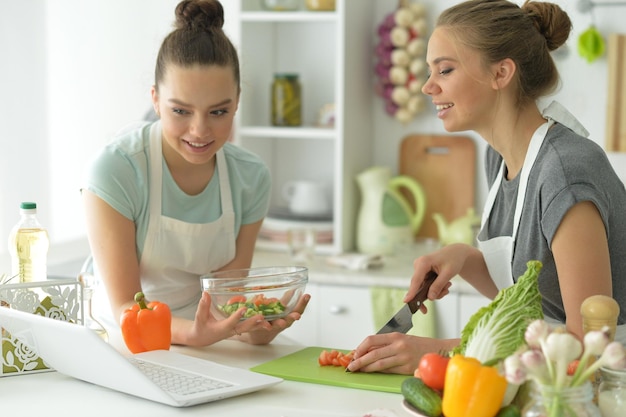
(197, 146)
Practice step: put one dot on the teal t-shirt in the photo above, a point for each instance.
(120, 175)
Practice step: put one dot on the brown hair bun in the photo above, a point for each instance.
(199, 15)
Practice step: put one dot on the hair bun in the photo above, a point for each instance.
(550, 20)
(199, 14)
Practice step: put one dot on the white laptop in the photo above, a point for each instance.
(180, 381)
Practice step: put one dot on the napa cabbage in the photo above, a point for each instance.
(497, 330)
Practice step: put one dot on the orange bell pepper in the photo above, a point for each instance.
(471, 389)
(146, 326)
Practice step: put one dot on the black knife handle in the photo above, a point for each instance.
(422, 294)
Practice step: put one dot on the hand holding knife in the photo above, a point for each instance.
(402, 321)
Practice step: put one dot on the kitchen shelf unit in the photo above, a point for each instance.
(332, 52)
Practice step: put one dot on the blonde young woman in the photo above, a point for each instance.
(554, 196)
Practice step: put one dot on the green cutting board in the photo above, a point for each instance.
(303, 366)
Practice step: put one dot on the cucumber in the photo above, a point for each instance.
(421, 396)
(510, 410)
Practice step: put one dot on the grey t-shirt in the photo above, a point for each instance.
(569, 169)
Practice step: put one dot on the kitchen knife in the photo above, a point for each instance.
(402, 321)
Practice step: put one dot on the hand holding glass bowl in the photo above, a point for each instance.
(272, 291)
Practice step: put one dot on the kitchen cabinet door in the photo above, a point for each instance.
(306, 330)
(345, 316)
(468, 305)
(447, 316)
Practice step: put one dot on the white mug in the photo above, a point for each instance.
(307, 197)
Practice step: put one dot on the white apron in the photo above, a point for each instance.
(176, 253)
(498, 251)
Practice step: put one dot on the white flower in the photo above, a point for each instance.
(562, 347)
(514, 370)
(536, 364)
(536, 333)
(551, 351)
(596, 340)
(614, 356)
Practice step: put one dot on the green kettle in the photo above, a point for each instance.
(461, 230)
(386, 218)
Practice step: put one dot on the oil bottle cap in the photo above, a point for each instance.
(287, 75)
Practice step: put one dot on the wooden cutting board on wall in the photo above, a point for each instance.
(616, 106)
(445, 167)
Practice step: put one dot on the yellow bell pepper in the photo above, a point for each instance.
(471, 389)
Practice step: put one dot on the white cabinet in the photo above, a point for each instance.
(468, 305)
(345, 316)
(447, 313)
(306, 330)
(329, 52)
(338, 317)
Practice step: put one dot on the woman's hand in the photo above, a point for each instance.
(448, 262)
(266, 334)
(205, 329)
(395, 353)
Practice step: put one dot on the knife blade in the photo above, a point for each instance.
(402, 321)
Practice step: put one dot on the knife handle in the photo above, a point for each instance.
(422, 293)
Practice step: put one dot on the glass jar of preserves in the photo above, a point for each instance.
(281, 5)
(612, 392)
(320, 5)
(286, 100)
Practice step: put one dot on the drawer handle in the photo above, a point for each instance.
(335, 309)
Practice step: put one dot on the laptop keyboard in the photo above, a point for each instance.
(177, 381)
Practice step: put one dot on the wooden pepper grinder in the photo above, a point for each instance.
(599, 311)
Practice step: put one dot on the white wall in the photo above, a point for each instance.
(23, 109)
(72, 72)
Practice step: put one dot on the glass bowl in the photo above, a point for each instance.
(272, 291)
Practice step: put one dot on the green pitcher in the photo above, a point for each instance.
(386, 218)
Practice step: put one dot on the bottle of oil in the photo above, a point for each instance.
(28, 246)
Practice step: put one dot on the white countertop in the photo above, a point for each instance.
(395, 272)
(53, 394)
